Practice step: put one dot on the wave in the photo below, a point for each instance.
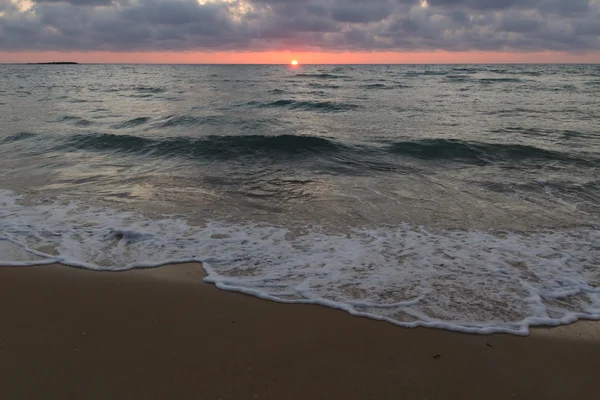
(149, 89)
(78, 101)
(323, 86)
(466, 70)
(464, 280)
(376, 86)
(575, 134)
(18, 136)
(384, 156)
(277, 91)
(425, 73)
(482, 153)
(131, 123)
(458, 78)
(212, 147)
(77, 121)
(528, 73)
(585, 195)
(173, 121)
(322, 76)
(499, 80)
(514, 111)
(515, 72)
(561, 88)
(318, 106)
(401, 85)
(138, 89)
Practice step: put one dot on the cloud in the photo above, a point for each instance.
(91, 3)
(329, 25)
(361, 11)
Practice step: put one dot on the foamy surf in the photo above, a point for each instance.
(462, 280)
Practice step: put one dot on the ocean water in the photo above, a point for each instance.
(464, 197)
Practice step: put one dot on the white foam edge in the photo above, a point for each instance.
(425, 322)
(522, 328)
(46, 258)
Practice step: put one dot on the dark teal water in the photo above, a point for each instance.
(456, 196)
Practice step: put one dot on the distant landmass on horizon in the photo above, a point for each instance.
(55, 63)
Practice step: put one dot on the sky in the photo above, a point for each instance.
(311, 31)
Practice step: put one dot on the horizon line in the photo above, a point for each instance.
(299, 65)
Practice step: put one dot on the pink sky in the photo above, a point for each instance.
(284, 57)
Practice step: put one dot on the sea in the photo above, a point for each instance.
(460, 197)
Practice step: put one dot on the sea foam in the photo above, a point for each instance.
(463, 280)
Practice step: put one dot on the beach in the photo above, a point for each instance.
(162, 333)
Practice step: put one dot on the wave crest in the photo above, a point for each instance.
(207, 147)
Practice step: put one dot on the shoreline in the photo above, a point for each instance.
(182, 271)
(164, 333)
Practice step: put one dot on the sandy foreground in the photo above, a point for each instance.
(68, 333)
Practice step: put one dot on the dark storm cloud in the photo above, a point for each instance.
(557, 6)
(519, 24)
(165, 12)
(147, 25)
(78, 2)
(361, 11)
(486, 4)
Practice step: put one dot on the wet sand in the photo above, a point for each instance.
(68, 333)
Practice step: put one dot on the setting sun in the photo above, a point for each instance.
(294, 62)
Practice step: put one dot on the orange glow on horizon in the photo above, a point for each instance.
(294, 62)
(284, 57)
